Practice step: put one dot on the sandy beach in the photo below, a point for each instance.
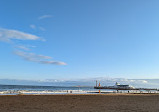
(80, 103)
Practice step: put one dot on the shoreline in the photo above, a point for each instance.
(107, 94)
(26, 92)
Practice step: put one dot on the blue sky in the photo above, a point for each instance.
(70, 39)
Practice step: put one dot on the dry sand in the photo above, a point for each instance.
(80, 103)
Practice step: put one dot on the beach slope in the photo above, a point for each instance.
(80, 103)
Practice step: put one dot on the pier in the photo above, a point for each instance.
(118, 87)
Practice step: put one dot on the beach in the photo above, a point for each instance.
(80, 103)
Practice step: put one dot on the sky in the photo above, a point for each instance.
(71, 39)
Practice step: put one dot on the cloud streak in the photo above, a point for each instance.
(42, 29)
(22, 47)
(44, 17)
(8, 35)
(32, 26)
(38, 58)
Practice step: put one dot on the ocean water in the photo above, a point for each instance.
(41, 88)
(28, 89)
(24, 89)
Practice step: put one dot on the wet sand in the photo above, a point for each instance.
(80, 103)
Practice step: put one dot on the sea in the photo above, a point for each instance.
(28, 89)
(14, 87)
(47, 90)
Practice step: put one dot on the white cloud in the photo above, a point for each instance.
(22, 47)
(38, 58)
(42, 29)
(37, 28)
(53, 62)
(32, 26)
(143, 81)
(8, 35)
(45, 16)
